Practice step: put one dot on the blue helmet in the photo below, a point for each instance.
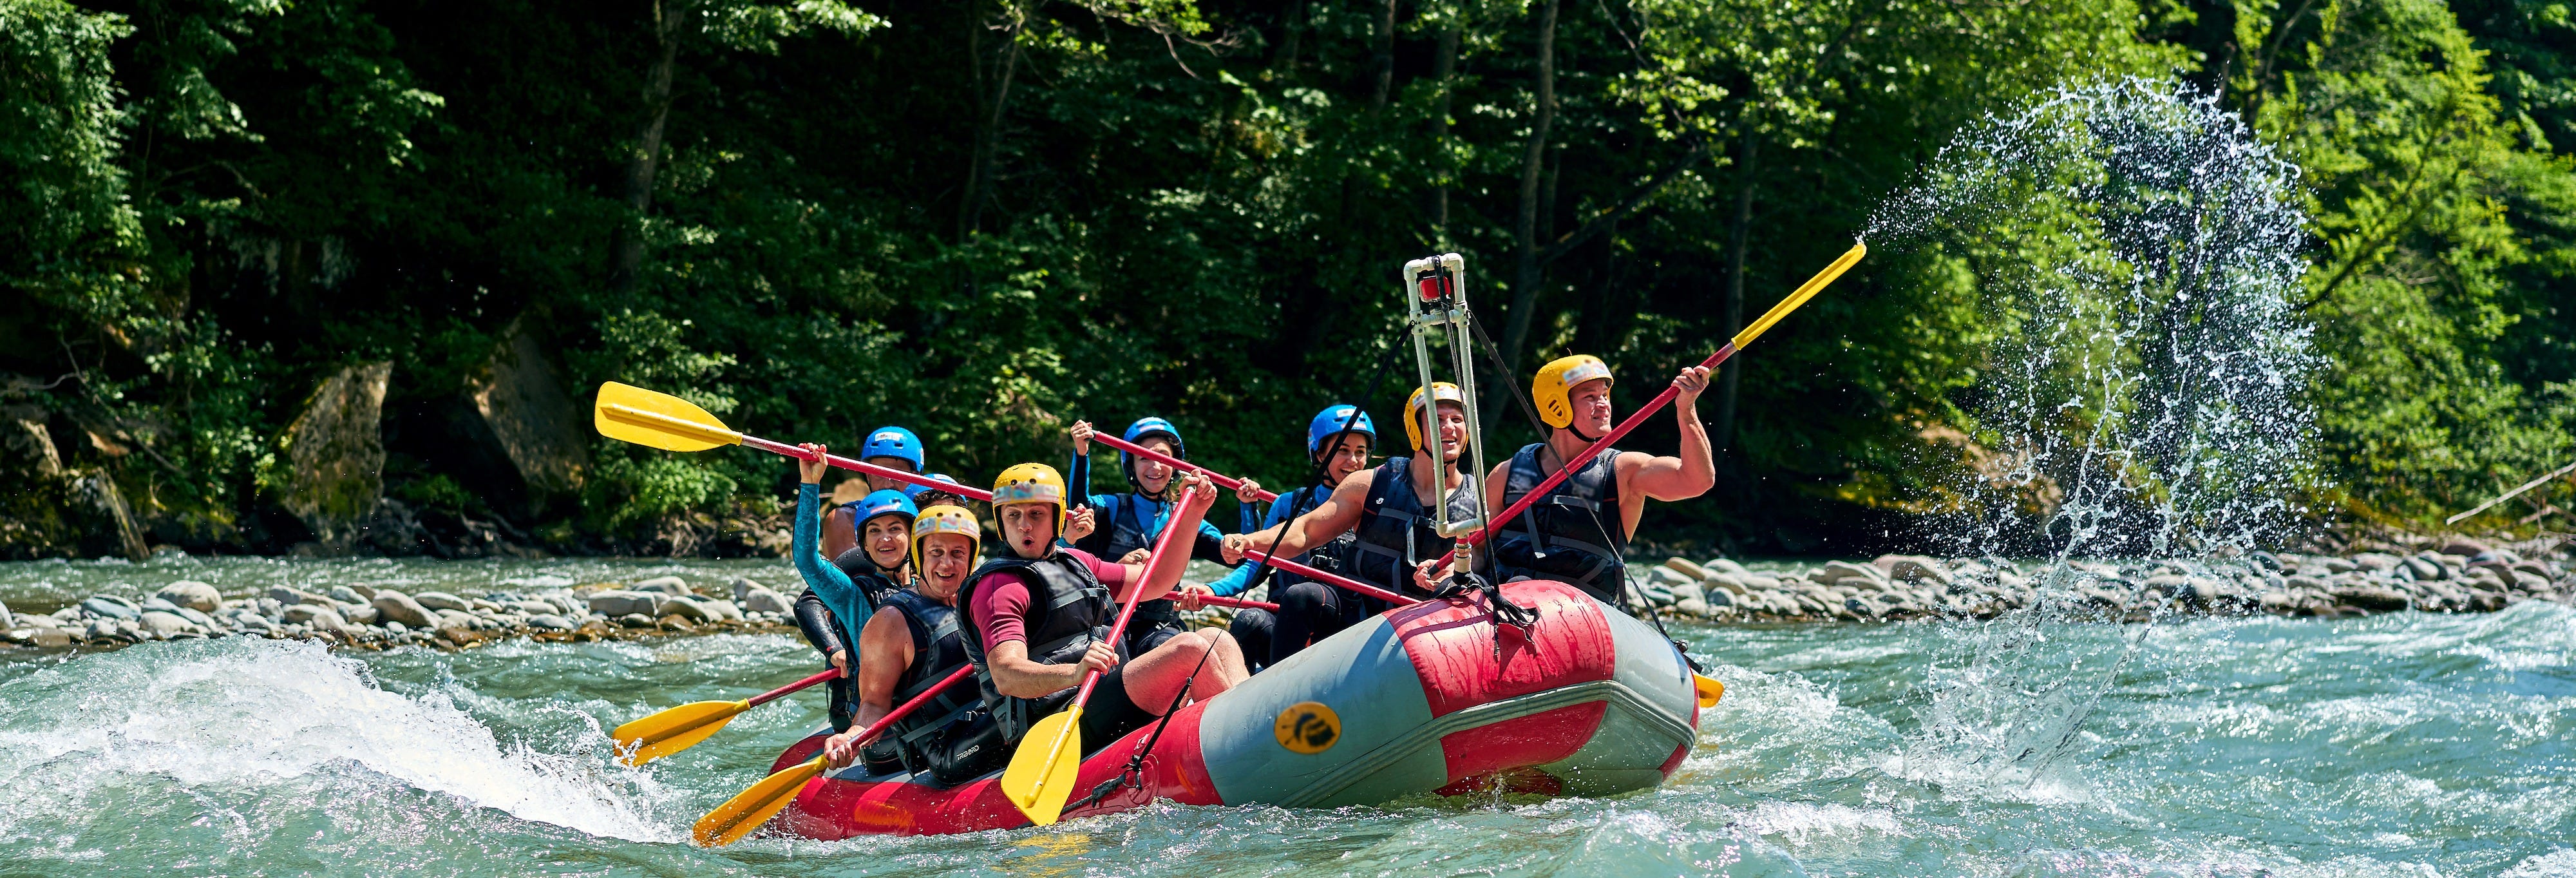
(1144, 427)
(1332, 422)
(914, 491)
(893, 442)
(881, 503)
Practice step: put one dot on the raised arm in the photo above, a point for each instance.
(1695, 471)
(1331, 518)
(828, 582)
(1155, 577)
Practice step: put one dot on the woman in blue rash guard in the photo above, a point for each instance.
(1127, 524)
(1338, 441)
(837, 599)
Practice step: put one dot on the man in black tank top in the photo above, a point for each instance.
(912, 643)
(1389, 508)
(1579, 530)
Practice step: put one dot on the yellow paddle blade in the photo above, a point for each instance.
(1799, 297)
(1042, 773)
(1709, 690)
(658, 420)
(748, 809)
(671, 731)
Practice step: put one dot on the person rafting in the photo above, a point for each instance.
(925, 496)
(1387, 509)
(911, 643)
(1038, 614)
(1578, 532)
(837, 593)
(890, 447)
(1338, 440)
(1130, 522)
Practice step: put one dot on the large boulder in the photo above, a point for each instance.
(1850, 574)
(316, 615)
(1911, 568)
(664, 584)
(108, 606)
(762, 600)
(687, 608)
(721, 608)
(166, 625)
(537, 424)
(194, 595)
(292, 596)
(398, 607)
(2373, 597)
(616, 603)
(335, 454)
(439, 600)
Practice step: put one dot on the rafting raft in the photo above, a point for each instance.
(1419, 699)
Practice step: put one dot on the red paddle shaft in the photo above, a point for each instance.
(1230, 483)
(905, 709)
(866, 468)
(775, 694)
(1162, 545)
(1329, 578)
(1214, 601)
(1575, 464)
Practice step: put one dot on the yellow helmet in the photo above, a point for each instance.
(1441, 391)
(1552, 389)
(1030, 483)
(944, 519)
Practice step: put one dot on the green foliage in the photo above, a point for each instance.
(1186, 209)
(2414, 173)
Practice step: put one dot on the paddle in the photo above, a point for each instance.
(679, 728)
(1176, 463)
(659, 420)
(1042, 771)
(1214, 601)
(1330, 578)
(748, 809)
(1575, 464)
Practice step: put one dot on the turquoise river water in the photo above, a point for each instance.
(2403, 744)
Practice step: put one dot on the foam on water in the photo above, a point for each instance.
(247, 721)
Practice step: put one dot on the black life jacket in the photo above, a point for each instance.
(1128, 531)
(873, 581)
(1334, 556)
(1396, 532)
(1074, 610)
(1574, 534)
(937, 650)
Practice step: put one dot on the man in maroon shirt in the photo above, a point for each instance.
(1039, 617)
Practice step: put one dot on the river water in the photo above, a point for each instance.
(2403, 744)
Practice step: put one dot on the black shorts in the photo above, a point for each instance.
(1110, 714)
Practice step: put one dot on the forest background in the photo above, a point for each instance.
(336, 274)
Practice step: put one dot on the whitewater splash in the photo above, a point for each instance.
(2137, 253)
(254, 740)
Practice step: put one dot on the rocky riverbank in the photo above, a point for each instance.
(2453, 576)
(365, 617)
(2447, 576)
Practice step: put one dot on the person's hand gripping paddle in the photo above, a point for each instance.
(748, 809)
(1041, 774)
(672, 730)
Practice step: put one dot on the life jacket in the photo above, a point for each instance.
(1130, 530)
(1074, 611)
(1395, 530)
(937, 649)
(1331, 557)
(874, 582)
(1574, 534)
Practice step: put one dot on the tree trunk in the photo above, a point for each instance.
(1294, 26)
(646, 162)
(1736, 242)
(1443, 63)
(989, 106)
(1383, 57)
(1525, 273)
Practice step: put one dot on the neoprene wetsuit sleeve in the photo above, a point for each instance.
(843, 597)
(817, 623)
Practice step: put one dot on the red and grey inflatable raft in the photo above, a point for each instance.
(1415, 700)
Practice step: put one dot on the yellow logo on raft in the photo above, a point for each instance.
(1308, 727)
